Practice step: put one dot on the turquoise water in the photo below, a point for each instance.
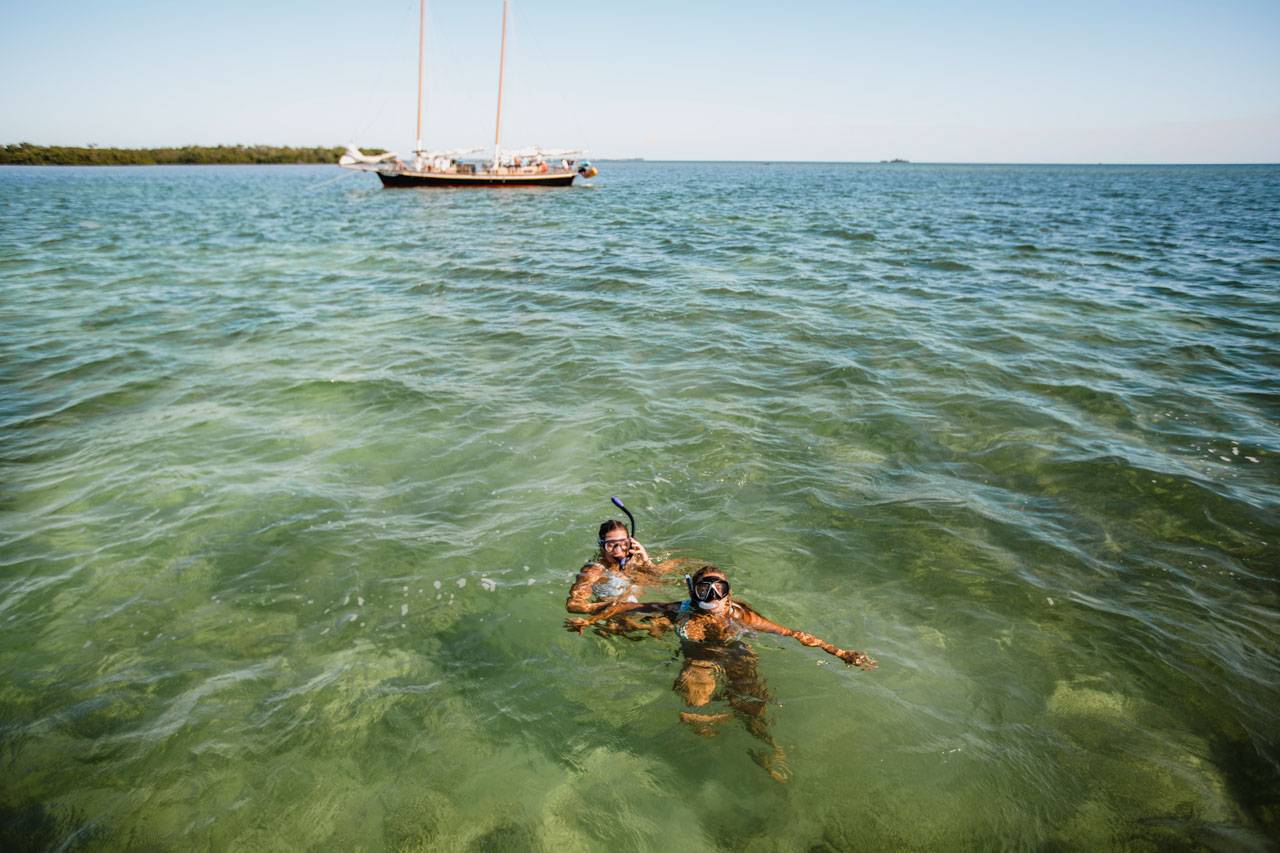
(297, 471)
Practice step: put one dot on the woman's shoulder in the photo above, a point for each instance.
(750, 618)
(591, 567)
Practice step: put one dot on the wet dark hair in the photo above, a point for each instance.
(612, 525)
(709, 570)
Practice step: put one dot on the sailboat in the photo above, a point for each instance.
(528, 167)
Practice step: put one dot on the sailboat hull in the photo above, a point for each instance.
(482, 179)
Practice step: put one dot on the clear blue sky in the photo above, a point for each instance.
(700, 79)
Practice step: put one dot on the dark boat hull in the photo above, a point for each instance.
(482, 179)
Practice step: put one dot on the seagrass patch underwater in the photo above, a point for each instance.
(296, 473)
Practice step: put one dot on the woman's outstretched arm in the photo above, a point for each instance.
(611, 609)
(756, 622)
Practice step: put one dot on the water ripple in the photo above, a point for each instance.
(295, 474)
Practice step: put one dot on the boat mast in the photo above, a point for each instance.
(422, 23)
(502, 58)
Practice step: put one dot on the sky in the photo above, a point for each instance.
(993, 82)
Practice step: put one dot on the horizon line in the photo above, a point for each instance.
(763, 162)
(634, 158)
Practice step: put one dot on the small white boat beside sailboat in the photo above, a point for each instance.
(529, 167)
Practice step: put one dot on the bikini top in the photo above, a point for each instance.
(614, 585)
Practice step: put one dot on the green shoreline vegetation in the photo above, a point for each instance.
(27, 154)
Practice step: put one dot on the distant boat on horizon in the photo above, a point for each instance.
(526, 167)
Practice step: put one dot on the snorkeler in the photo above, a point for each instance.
(711, 625)
(618, 573)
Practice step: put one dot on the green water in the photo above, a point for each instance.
(296, 473)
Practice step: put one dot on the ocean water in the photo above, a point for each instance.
(295, 473)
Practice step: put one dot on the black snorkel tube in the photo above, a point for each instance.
(631, 534)
(618, 504)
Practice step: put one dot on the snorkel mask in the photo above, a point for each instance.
(626, 555)
(708, 592)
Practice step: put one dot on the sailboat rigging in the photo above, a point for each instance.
(532, 166)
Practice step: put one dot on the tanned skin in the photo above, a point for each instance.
(712, 646)
(581, 598)
(639, 569)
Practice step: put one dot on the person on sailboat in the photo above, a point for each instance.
(712, 626)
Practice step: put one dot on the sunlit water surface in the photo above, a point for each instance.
(297, 471)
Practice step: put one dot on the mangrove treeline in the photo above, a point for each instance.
(26, 154)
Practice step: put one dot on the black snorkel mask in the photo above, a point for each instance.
(707, 591)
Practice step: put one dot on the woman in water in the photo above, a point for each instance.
(617, 574)
(711, 626)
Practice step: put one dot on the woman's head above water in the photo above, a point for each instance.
(708, 588)
(614, 541)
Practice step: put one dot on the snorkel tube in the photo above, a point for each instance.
(630, 533)
(618, 504)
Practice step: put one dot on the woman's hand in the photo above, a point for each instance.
(857, 659)
(577, 625)
(635, 549)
